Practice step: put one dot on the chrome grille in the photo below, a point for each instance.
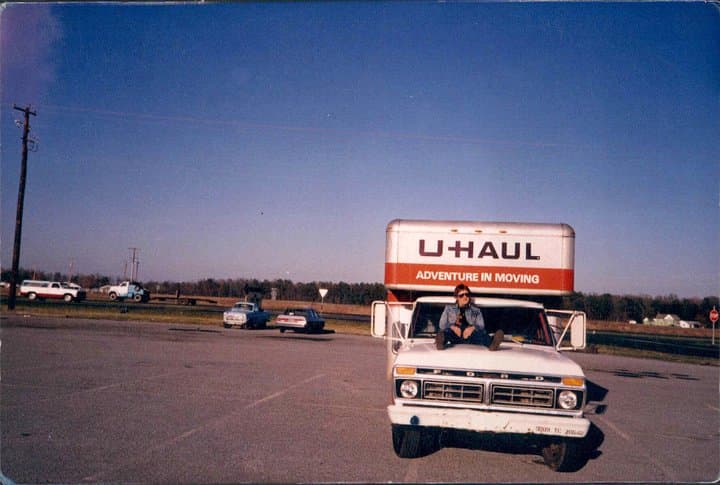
(522, 396)
(453, 391)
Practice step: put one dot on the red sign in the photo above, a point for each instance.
(713, 315)
(410, 275)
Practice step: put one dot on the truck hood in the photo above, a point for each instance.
(511, 357)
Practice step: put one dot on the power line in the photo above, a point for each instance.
(439, 137)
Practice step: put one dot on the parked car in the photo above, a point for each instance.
(245, 314)
(300, 320)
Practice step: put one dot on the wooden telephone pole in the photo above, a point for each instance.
(20, 203)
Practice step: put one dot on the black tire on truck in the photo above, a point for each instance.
(564, 455)
(414, 441)
(113, 296)
(138, 298)
(68, 298)
(406, 441)
(32, 296)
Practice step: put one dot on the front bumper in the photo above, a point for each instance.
(489, 421)
(234, 321)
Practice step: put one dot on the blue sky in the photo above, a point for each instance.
(278, 140)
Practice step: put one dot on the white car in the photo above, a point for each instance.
(300, 320)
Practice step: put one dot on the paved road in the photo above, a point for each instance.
(97, 401)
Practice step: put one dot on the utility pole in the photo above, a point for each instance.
(134, 264)
(20, 203)
(72, 266)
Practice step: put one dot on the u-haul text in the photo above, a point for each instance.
(487, 250)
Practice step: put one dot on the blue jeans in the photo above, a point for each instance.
(478, 337)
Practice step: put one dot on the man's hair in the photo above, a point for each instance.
(461, 287)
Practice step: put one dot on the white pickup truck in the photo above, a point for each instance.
(37, 289)
(526, 389)
(245, 314)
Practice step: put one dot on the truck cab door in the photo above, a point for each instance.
(563, 322)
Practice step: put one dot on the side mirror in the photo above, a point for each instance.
(578, 331)
(562, 322)
(378, 318)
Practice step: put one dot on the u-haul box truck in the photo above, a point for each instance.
(527, 388)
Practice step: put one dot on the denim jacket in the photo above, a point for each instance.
(473, 315)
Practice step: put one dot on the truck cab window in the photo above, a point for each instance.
(528, 325)
(425, 320)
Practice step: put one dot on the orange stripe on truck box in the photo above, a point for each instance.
(488, 278)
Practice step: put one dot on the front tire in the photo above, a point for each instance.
(68, 298)
(113, 296)
(406, 442)
(563, 455)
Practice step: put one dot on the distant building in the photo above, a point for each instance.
(689, 324)
(665, 320)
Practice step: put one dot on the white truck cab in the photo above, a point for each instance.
(527, 388)
(131, 290)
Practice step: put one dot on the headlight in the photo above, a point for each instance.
(567, 400)
(409, 389)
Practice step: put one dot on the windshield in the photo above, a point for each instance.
(526, 325)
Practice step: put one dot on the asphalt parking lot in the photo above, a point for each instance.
(87, 401)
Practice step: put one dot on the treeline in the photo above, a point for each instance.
(598, 307)
(625, 308)
(341, 293)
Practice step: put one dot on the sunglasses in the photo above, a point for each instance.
(463, 295)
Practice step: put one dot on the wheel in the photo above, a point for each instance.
(406, 441)
(137, 298)
(113, 296)
(68, 298)
(282, 329)
(226, 325)
(32, 296)
(562, 455)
